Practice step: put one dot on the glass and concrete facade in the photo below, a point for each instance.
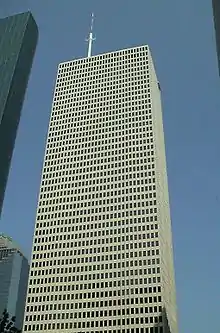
(102, 252)
(18, 39)
(14, 270)
(216, 15)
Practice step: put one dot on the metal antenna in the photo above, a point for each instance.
(90, 39)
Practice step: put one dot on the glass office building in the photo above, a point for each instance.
(14, 270)
(102, 256)
(18, 39)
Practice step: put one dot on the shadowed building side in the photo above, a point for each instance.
(18, 40)
(216, 14)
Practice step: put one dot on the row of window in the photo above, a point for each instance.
(99, 132)
(67, 253)
(93, 234)
(92, 304)
(68, 196)
(148, 311)
(90, 242)
(127, 135)
(105, 116)
(93, 286)
(89, 277)
(127, 122)
(134, 133)
(106, 121)
(120, 97)
(99, 102)
(129, 100)
(107, 275)
(106, 262)
(105, 207)
(129, 53)
(85, 243)
(124, 90)
(113, 83)
(98, 151)
(105, 218)
(62, 134)
(87, 105)
(93, 146)
(107, 322)
(88, 153)
(126, 85)
(72, 213)
(60, 237)
(67, 233)
(108, 62)
(56, 232)
(132, 72)
(106, 249)
(100, 128)
(47, 281)
(104, 224)
(88, 296)
(116, 215)
(40, 327)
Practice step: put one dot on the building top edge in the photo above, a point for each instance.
(106, 53)
(27, 13)
(8, 243)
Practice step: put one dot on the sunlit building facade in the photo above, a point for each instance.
(102, 256)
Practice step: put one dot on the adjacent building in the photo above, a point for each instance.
(14, 270)
(216, 14)
(102, 258)
(18, 39)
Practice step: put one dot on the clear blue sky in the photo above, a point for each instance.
(181, 37)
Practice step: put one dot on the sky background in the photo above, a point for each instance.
(181, 38)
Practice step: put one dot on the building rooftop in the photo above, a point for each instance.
(8, 242)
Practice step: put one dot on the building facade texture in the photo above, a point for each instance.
(14, 269)
(18, 39)
(102, 256)
(216, 15)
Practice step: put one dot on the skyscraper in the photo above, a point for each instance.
(14, 270)
(102, 252)
(18, 39)
(216, 14)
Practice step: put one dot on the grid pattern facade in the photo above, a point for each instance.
(103, 211)
(18, 40)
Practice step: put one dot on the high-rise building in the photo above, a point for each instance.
(18, 39)
(14, 270)
(102, 256)
(216, 14)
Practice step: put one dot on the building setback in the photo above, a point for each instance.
(18, 39)
(102, 256)
(216, 15)
(14, 270)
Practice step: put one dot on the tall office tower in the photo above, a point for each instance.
(216, 14)
(102, 251)
(14, 270)
(18, 39)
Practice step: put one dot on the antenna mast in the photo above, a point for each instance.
(90, 39)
